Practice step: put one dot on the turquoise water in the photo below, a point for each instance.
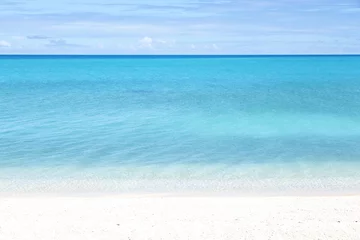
(164, 124)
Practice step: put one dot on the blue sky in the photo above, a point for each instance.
(180, 26)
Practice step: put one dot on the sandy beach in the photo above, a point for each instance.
(170, 217)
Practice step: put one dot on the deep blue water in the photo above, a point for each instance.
(265, 119)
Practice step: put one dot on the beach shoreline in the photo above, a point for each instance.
(282, 187)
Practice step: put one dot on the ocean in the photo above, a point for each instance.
(271, 125)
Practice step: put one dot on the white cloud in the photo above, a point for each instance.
(146, 42)
(215, 47)
(211, 47)
(161, 41)
(4, 44)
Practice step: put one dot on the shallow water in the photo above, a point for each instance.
(177, 123)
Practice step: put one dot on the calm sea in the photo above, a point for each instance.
(266, 124)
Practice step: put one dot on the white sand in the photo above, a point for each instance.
(155, 217)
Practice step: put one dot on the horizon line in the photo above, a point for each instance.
(176, 55)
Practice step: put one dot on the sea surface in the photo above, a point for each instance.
(180, 124)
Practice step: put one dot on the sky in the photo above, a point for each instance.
(180, 27)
